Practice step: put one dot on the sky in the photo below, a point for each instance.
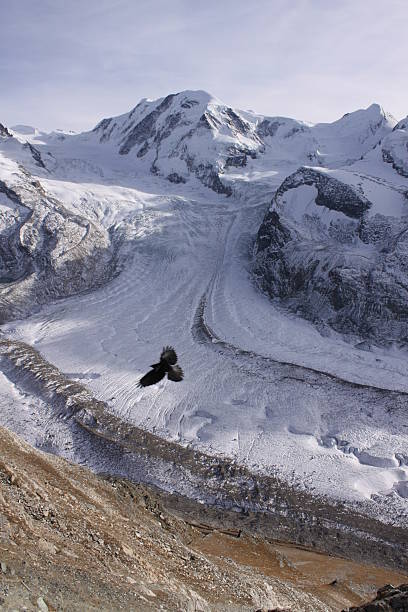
(65, 64)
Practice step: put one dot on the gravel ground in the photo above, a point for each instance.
(72, 540)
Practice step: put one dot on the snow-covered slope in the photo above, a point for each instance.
(394, 148)
(272, 390)
(46, 251)
(352, 136)
(191, 135)
(333, 245)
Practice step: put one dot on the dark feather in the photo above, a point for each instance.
(169, 355)
(152, 377)
(175, 373)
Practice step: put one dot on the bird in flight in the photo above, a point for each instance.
(167, 365)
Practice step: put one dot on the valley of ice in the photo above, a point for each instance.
(175, 193)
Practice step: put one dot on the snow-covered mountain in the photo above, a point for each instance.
(333, 245)
(46, 251)
(192, 135)
(184, 134)
(351, 137)
(394, 148)
(157, 211)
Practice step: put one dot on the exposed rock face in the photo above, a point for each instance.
(45, 251)
(395, 148)
(402, 125)
(36, 155)
(331, 193)
(328, 253)
(4, 131)
(388, 598)
(173, 177)
(146, 128)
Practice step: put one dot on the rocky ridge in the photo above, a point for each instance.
(46, 251)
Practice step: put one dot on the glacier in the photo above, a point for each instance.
(226, 234)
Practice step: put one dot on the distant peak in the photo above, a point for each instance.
(373, 114)
(372, 110)
(198, 94)
(375, 107)
(24, 129)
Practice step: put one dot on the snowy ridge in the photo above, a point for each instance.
(193, 135)
(333, 248)
(352, 136)
(394, 148)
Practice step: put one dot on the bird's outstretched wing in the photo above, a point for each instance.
(169, 355)
(152, 377)
(175, 373)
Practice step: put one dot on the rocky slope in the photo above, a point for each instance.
(46, 251)
(71, 540)
(388, 598)
(70, 417)
(333, 245)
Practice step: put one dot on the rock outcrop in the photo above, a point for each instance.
(4, 131)
(394, 148)
(330, 254)
(389, 599)
(46, 251)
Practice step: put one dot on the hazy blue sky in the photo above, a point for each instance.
(68, 63)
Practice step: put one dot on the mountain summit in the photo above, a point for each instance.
(191, 133)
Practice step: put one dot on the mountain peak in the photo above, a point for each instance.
(375, 108)
(373, 113)
(198, 94)
(24, 129)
